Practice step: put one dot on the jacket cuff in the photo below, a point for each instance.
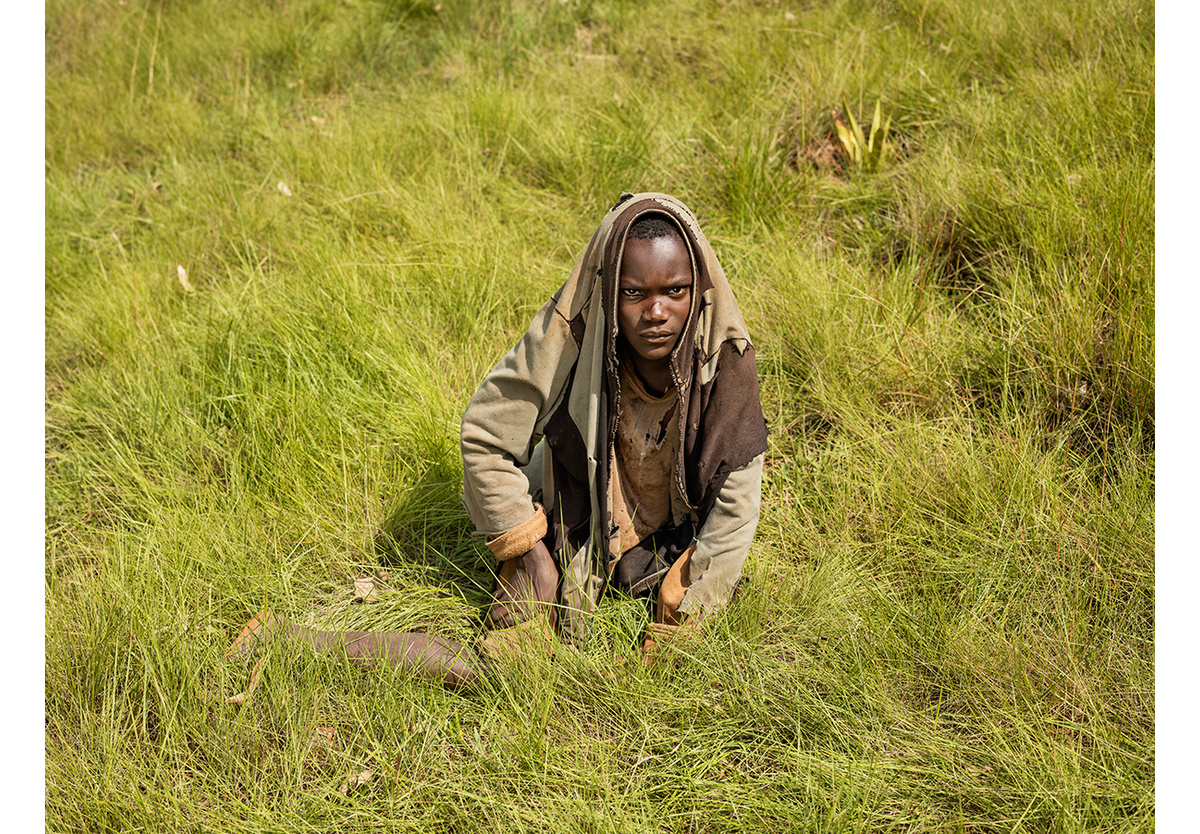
(520, 540)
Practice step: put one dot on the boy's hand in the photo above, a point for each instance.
(661, 635)
(526, 583)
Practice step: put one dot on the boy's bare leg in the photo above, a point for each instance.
(434, 657)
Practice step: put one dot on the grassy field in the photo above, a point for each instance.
(285, 240)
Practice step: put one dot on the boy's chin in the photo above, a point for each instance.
(655, 351)
(647, 352)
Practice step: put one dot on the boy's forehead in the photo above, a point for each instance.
(660, 252)
(655, 261)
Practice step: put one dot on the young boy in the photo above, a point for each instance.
(639, 377)
(620, 443)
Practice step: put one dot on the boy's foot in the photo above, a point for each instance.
(533, 637)
(259, 630)
(659, 636)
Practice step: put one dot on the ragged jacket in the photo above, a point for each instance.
(537, 437)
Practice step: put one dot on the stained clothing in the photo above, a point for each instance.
(642, 463)
(543, 430)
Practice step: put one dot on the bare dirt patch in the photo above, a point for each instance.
(824, 154)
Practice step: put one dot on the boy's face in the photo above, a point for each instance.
(654, 295)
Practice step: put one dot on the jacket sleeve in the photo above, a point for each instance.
(724, 541)
(502, 425)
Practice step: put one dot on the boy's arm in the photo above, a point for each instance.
(723, 541)
(500, 428)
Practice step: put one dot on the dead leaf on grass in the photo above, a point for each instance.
(356, 780)
(183, 279)
(364, 589)
(255, 677)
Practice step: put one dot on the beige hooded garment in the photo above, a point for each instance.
(538, 436)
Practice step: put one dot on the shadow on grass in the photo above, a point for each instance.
(429, 531)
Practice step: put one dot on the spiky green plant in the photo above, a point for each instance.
(865, 151)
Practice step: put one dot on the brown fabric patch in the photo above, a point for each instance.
(565, 439)
(725, 429)
(578, 328)
(644, 565)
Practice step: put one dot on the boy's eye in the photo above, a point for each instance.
(677, 291)
(629, 293)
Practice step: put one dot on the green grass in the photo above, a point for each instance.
(950, 615)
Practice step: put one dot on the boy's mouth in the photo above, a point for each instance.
(657, 336)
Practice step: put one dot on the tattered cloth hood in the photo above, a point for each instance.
(720, 416)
